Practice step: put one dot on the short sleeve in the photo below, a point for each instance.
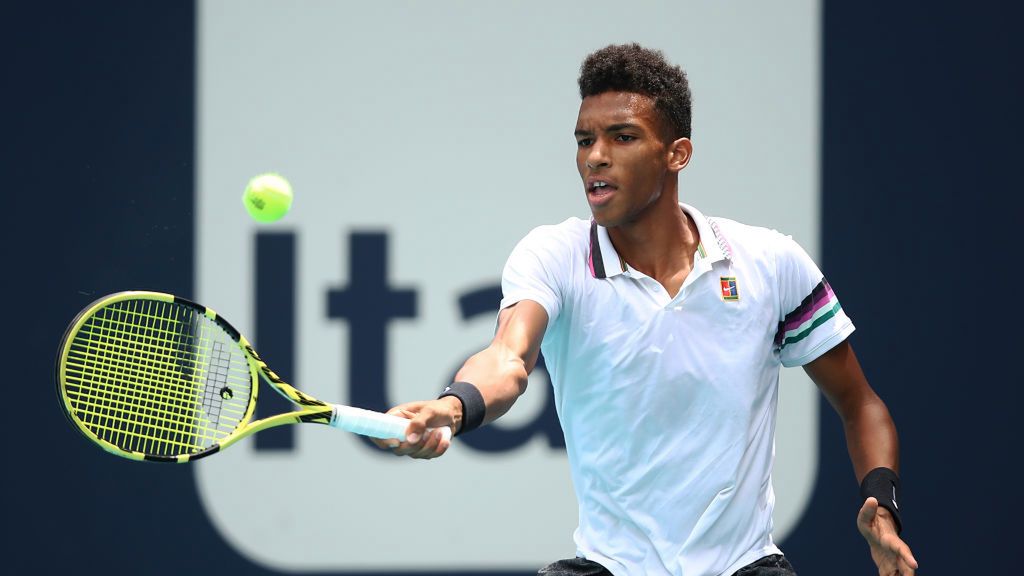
(531, 273)
(812, 321)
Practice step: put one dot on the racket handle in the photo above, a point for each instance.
(374, 424)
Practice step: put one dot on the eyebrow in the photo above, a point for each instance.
(621, 126)
(613, 128)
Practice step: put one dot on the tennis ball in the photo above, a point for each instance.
(267, 197)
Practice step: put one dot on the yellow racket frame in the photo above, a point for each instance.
(313, 410)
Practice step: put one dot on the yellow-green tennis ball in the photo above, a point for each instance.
(268, 197)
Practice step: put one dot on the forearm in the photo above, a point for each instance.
(499, 374)
(871, 437)
(870, 432)
(872, 443)
(485, 388)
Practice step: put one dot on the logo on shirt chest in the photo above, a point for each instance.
(730, 291)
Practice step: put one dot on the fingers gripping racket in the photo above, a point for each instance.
(151, 376)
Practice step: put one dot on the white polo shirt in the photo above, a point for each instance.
(668, 401)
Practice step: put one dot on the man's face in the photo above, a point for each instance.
(621, 156)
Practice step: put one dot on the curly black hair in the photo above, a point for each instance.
(633, 68)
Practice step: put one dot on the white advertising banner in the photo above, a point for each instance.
(423, 140)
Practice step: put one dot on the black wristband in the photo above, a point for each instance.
(884, 485)
(473, 408)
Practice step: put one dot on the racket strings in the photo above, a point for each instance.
(158, 365)
(130, 409)
(224, 380)
(156, 377)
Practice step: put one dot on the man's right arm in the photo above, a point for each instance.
(499, 372)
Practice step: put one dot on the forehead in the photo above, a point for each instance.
(609, 108)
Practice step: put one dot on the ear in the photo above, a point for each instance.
(679, 153)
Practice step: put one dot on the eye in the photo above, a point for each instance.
(584, 142)
(625, 138)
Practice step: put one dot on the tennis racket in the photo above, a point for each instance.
(151, 376)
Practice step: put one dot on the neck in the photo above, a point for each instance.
(662, 244)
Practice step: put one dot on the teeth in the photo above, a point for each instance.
(600, 184)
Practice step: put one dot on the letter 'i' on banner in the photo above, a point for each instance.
(274, 336)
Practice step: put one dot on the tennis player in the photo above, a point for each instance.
(664, 331)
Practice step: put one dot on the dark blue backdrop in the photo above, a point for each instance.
(921, 197)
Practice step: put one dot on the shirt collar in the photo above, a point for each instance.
(605, 262)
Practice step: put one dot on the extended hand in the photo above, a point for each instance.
(891, 555)
(435, 414)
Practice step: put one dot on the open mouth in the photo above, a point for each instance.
(599, 190)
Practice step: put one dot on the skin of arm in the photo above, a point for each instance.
(872, 442)
(499, 372)
(870, 432)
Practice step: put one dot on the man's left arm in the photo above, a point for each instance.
(872, 442)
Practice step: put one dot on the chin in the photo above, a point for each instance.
(604, 219)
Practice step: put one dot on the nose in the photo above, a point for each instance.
(596, 157)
